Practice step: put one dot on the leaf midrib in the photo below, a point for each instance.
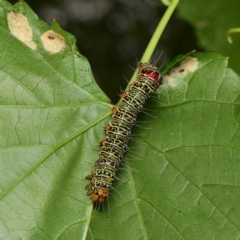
(52, 150)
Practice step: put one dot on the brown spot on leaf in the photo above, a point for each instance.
(188, 64)
(19, 26)
(53, 42)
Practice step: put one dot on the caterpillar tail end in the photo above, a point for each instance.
(100, 196)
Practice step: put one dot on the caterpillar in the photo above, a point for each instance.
(115, 144)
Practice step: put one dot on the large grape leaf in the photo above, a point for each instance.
(184, 178)
(181, 175)
(211, 21)
(51, 111)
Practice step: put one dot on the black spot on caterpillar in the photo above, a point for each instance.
(118, 132)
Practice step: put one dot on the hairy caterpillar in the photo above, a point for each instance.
(118, 132)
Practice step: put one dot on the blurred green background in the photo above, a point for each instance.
(114, 34)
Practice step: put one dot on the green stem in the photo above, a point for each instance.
(158, 32)
(155, 38)
(230, 31)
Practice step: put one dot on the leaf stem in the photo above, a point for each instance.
(158, 32)
(155, 38)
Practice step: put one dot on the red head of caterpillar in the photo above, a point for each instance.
(150, 71)
(118, 132)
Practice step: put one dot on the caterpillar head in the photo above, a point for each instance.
(150, 71)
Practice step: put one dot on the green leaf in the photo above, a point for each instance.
(173, 62)
(181, 175)
(212, 20)
(183, 181)
(49, 103)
